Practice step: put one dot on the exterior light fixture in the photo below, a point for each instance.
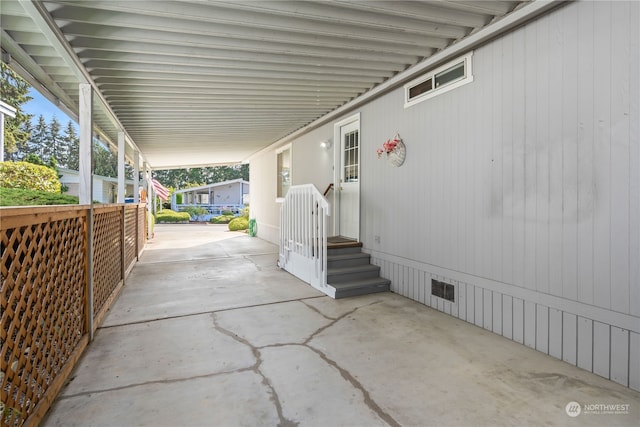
(326, 144)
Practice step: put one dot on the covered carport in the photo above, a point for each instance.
(188, 83)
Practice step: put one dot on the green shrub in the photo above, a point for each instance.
(227, 213)
(168, 215)
(29, 177)
(222, 219)
(196, 212)
(239, 223)
(22, 197)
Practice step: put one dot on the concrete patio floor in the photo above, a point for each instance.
(209, 332)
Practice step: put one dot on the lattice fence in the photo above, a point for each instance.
(44, 312)
(107, 254)
(142, 228)
(43, 305)
(131, 230)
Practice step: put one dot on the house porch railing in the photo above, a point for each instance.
(303, 235)
(54, 294)
(213, 209)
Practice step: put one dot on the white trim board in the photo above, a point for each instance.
(603, 315)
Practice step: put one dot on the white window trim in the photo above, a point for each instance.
(278, 151)
(468, 78)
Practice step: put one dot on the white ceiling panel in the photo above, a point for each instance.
(213, 82)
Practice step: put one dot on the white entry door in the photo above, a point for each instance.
(349, 182)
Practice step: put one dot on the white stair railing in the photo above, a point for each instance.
(303, 235)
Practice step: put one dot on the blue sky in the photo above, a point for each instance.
(40, 105)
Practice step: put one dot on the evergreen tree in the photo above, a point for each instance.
(105, 163)
(54, 143)
(38, 140)
(23, 147)
(186, 178)
(72, 143)
(14, 91)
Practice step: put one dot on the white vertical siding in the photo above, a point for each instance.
(620, 355)
(524, 186)
(518, 320)
(585, 343)
(601, 349)
(569, 338)
(507, 316)
(602, 156)
(525, 176)
(620, 165)
(634, 170)
(522, 189)
(634, 361)
(542, 328)
(556, 334)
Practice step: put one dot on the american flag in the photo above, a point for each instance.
(161, 190)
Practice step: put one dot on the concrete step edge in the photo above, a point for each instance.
(363, 283)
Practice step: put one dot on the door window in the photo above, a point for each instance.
(350, 162)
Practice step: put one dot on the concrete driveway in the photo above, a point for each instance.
(209, 332)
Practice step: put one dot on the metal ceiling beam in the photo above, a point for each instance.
(252, 40)
(148, 52)
(433, 12)
(125, 41)
(234, 18)
(514, 19)
(219, 67)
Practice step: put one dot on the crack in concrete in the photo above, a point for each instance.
(250, 258)
(200, 313)
(284, 422)
(317, 310)
(368, 400)
(171, 381)
(335, 320)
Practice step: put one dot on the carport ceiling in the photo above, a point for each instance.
(212, 82)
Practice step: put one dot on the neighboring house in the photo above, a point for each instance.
(230, 195)
(519, 189)
(105, 189)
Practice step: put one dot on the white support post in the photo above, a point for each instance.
(5, 110)
(86, 184)
(136, 176)
(86, 145)
(121, 184)
(145, 179)
(1, 137)
(147, 184)
(151, 191)
(151, 199)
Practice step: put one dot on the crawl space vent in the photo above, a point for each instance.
(442, 290)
